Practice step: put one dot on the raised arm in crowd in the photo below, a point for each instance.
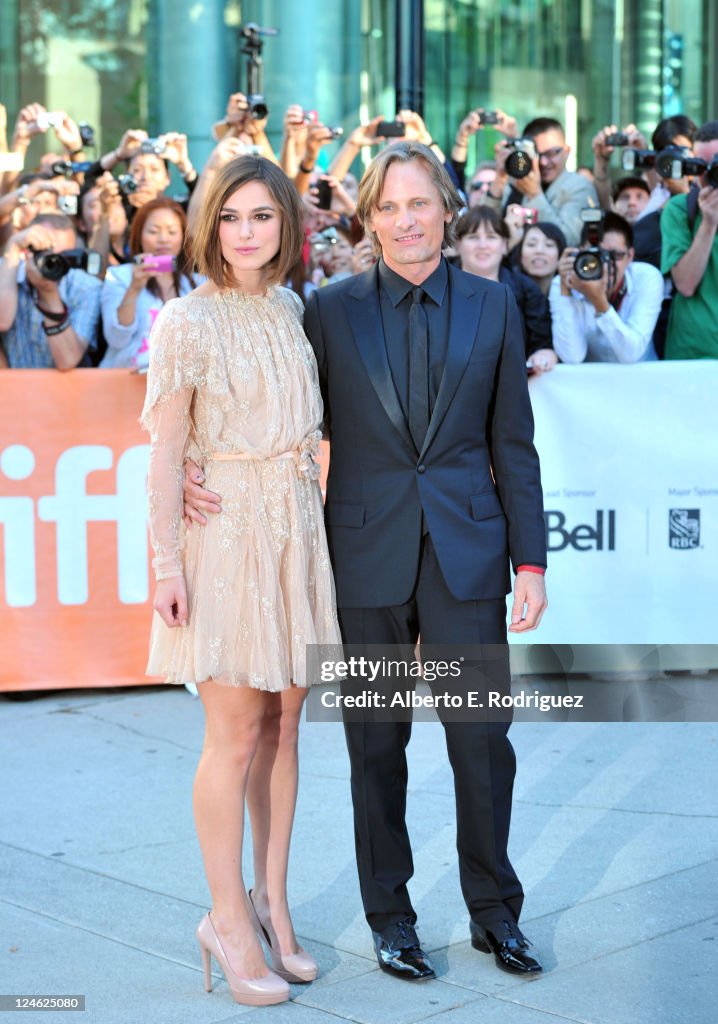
(115, 213)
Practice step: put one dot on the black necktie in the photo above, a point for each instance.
(418, 368)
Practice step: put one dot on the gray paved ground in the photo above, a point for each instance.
(615, 836)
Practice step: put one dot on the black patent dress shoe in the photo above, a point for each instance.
(509, 946)
(399, 953)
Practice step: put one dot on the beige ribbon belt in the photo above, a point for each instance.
(248, 457)
(303, 456)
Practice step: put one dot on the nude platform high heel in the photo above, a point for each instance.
(298, 968)
(248, 991)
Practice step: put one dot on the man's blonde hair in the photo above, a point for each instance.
(372, 185)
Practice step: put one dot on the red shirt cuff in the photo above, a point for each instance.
(531, 568)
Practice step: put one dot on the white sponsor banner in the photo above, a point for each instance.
(629, 463)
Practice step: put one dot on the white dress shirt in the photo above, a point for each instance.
(624, 336)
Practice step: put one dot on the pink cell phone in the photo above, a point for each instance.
(163, 264)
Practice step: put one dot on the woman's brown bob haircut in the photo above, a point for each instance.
(372, 184)
(206, 248)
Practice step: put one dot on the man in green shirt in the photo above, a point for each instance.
(691, 256)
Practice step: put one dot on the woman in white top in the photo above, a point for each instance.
(134, 293)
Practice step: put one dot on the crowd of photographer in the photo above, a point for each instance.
(636, 258)
(617, 270)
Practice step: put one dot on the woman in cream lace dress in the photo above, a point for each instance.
(233, 383)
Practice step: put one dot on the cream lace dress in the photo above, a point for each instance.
(233, 383)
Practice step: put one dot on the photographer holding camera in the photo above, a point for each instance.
(690, 254)
(103, 220)
(604, 307)
(35, 120)
(246, 120)
(362, 137)
(148, 167)
(134, 293)
(531, 171)
(471, 124)
(604, 144)
(49, 305)
(19, 207)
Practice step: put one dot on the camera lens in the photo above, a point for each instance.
(51, 265)
(258, 107)
(519, 164)
(669, 165)
(588, 266)
(127, 184)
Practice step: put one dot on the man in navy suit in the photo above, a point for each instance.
(433, 489)
(433, 492)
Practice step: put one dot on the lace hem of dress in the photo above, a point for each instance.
(241, 679)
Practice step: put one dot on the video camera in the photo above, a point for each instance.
(253, 44)
(54, 265)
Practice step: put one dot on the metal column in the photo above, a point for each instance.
(190, 66)
(410, 55)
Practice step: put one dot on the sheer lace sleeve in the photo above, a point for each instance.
(178, 355)
(175, 371)
(169, 425)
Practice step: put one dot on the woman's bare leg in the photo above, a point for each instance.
(233, 728)
(272, 798)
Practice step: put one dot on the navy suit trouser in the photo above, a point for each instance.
(481, 757)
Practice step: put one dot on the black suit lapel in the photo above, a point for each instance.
(467, 300)
(364, 315)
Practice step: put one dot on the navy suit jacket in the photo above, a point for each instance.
(476, 477)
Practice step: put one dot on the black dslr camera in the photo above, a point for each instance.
(589, 263)
(638, 159)
(54, 265)
(251, 34)
(520, 160)
(677, 162)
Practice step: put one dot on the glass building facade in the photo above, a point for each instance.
(170, 64)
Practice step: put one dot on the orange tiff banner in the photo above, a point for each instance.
(75, 559)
